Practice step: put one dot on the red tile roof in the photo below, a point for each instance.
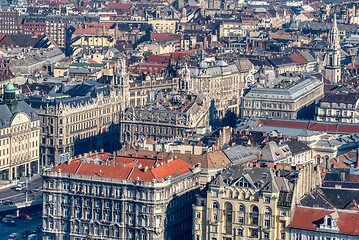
(95, 24)
(298, 58)
(309, 219)
(126, 167)
(165, 58)
(313, 126)
(89, 31)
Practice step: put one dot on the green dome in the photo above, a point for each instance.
(9, 88)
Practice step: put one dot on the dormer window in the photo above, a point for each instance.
(329, 222)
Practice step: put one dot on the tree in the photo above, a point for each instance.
(230, 119)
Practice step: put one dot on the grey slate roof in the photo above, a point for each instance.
(22, 106)
(239, 154)
(262, 179)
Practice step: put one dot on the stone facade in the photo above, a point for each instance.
(78, 118)
(178, 117)
(223, 84)
(116, 206)
(281, 103)
(338, 107)
(333, 64)
(19, 137)
(244, 203)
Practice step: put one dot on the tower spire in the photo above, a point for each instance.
(334, 35)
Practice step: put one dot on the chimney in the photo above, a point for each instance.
(145, 169)
(102, 150)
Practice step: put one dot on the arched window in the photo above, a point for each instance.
(329, 222)
(255, 210)
(267, 211)
(215, 205)
(242, 208)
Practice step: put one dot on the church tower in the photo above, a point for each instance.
(332, 67)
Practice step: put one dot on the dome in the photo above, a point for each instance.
(10, 88)
(202, 65)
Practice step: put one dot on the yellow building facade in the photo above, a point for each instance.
(244, 203)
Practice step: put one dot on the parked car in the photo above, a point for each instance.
(13, 236)
(32, 237)
(7, 220)
(8, 202)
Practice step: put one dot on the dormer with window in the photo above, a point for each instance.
(329, 223)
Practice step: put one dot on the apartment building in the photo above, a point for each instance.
(119, 196)
(9, 22)
(78, 117)
(338, 107)
(282, 102)
(244, 203)
(19, 137)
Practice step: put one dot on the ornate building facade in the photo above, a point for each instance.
(119, 196)
(282, 103)
(223, 84)
(19, 137)
(244, 203)
(333, 67)
(79, 117)
(178, 115)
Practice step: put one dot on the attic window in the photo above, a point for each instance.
(264, 175)
(276, 153)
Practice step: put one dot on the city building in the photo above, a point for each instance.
(292, 152)
(333, 63)
(318, 223)
(338, 107)
(168, 117)
(282, 103)
(79, 117)
(119, 196)
(9, 22)
(57, 32)
(19, 137)
(223, 84)
(244, 203)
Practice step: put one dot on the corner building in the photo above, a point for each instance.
(244, 203)
(19, 137)
(119, 196)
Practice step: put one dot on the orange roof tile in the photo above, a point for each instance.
(89, 31)
(309, 219)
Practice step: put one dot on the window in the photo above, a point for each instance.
(215, 205)
(213, 229)
(254, 233)
(88, 214)
(214, 193)
(242, 208)
(240, 232)
(267, 199)
(197, 227)
(266, 235)
(267, 211)
(241, 220)
(282, 236)
(283, 213)
(215, 218)
(198, 215)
